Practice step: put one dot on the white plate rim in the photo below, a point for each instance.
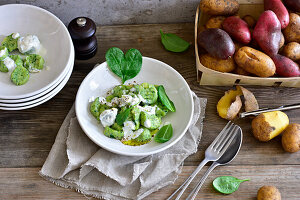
(50, 94)
(57, 78)
(136, 153)
(17, 101)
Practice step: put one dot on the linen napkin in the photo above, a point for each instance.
(76, 162)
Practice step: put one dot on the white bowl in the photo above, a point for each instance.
(101, 79)
(42, 99)
(54, 37)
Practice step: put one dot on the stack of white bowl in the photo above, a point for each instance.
(59, 56)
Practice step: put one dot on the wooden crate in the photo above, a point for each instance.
(208, 76)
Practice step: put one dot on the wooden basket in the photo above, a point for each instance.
(208, 76)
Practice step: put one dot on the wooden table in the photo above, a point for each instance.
(26, 136)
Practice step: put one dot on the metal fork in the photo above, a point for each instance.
(215, 150)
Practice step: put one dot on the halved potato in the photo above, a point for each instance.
(230, 104)
(268, 125)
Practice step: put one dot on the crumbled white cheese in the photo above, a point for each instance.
(125, 100)
(91, 99)
(147, 123)
(29, 43)
(9, 63)
(15, 35)
(102, 100)
(108, 117)
(3, 51)
(133, 89)
(148, 109)
(114, 102)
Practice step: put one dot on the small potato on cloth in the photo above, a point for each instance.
(291, 138)
(268, 125)
(230, 104)
(268, 193)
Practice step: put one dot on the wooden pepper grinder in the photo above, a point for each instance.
(82, 31)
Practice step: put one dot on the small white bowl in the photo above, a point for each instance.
(101, 79)
(54, 37)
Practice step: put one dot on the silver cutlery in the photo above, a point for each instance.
(226, 158)
(280, 108)
(215, 150)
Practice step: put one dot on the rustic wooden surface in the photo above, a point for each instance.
(26, 136)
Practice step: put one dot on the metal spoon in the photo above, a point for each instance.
(227, 157)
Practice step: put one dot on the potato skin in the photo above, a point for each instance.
(215, 22)
(268, 193)
(249, 20)
(293, 4)
(268, 125)
(241, 71)
(282, 40)
(238, 29)
(217, 64)
(291, 138)
(285, 67)
(216, 42)
(267, 32)
(292, 51)
(219, 7)
(254, 62)
(292, 31)
(279, 9)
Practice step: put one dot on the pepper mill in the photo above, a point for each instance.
(82, 31)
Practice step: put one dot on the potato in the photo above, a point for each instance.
(238, 29)
(241, 71)
(255, 62)
(281, 40)
(216, 42)
(215, 22)
(250, 100)
(268, 125)
(267, 32)
(279, 9)
(293, 4)
(292, 51)
(217, 64)
(291, 138)
(292, 31)
(285, 67)
(249, 20)
(230, 104)
(219, 7)
(268, 193)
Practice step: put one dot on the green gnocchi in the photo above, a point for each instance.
(141, 113)
(26, 60)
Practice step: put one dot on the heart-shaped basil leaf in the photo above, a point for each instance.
(125, 66)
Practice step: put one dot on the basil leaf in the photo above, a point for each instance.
(125, 66)
(227, 184)
(132, 65)
(165, 99)
(115, 58)
(123, 116)
(173, 43)
(164, 134)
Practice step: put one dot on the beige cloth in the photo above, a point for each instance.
(76, 162)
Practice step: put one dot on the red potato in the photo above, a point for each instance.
(217, 43)
(238, 29)
(293, 4)
(279, 9)
(285, 66)
(267, 32)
